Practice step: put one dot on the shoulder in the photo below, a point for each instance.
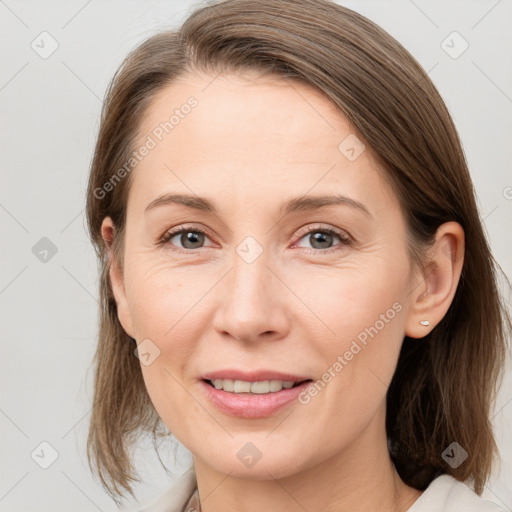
(176, 497)
(447, 494)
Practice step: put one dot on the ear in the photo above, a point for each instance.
(433, 292)
(108, 232)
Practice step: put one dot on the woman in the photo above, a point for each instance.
(280, 205)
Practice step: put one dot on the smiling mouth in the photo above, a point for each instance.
(259, 387)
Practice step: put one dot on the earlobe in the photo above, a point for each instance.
(432, 297)
(116, 277)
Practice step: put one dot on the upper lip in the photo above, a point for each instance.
(253, 376)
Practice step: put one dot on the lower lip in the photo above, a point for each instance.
(251, 405)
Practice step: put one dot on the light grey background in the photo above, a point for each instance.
(50, 115)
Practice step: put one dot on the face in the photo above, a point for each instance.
(256, 280)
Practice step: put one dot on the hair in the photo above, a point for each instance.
(446, 383)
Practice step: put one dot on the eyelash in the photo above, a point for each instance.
(345, 239)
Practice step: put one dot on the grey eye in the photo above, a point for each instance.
(190, 239)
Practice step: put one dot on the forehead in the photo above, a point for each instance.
(239, 105)
(259, 131)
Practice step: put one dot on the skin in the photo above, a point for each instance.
(251, 143)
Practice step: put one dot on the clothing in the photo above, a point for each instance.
(444, 494)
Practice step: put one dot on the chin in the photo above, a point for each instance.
(248, 462)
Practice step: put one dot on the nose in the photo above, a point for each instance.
(252, 303)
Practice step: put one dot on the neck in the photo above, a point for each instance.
(361, 478)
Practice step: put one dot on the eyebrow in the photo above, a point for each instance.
(304, 203)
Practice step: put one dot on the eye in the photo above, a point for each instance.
(321, 238)
(190, 238)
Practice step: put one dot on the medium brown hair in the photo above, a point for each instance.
(446, 383)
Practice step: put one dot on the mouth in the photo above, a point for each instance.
(261, 387)
(252, 399)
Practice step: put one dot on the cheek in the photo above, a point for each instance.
(162, 298)
(164, 313)
(356, 361)
(161, 302)
(359, 318)
(344, 301)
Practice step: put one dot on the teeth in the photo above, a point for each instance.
(260, 387)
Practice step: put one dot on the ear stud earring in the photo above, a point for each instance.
(426, 323)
